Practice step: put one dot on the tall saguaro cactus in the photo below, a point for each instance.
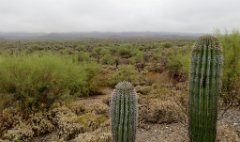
(124, 113)
(204, 89)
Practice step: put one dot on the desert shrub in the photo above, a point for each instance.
(40, 124)
(155, 67)
(5, 101)
(105, 50)
(100, 135)
(71, 124)
(125, 52)
(167, 45)
(157, 55)
(231, 68)
(156, 111)
(83, 56)
(103, 55)
(21, 132)
(90, 117)
(37, 80)
(108, 59)
(125, 72)
(144, 90)
(9, 118)
(84, 107)
(96, 53)
(178, 62)
(15, 127)
(67, 123)
(91, 83)
(138, 57)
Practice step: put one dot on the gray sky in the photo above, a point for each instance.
(119, 15)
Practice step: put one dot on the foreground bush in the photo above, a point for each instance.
(231, 72)
(37, 80)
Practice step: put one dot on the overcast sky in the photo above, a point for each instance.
(191, 16)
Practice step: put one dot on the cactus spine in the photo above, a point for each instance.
(124, 113)
(204, 89)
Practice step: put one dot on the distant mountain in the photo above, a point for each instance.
(82, 35)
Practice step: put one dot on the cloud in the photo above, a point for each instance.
(118, 15)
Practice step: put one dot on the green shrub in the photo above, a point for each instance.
(138, 57)
(37, 80)
(178, 62)
(158, 55)
(231, 71)
(125, 52)
(83, 57)
(5, 101)
(125, 72)
(167, 45)
(92, 85)
(96, 53)
(108, 59)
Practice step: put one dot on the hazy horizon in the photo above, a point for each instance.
(61, 16)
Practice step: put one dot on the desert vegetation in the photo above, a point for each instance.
(61, 90)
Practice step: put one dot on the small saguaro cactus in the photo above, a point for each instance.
(124, 113)
(204, 89)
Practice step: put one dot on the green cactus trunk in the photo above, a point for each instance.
(124, 113)
(204, 89)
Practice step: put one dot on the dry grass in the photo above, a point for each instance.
(21, 132)
(158, 111)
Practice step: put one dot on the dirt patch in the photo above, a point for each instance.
(174, 132)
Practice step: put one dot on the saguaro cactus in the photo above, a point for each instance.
(124, 113)
(204, 89)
